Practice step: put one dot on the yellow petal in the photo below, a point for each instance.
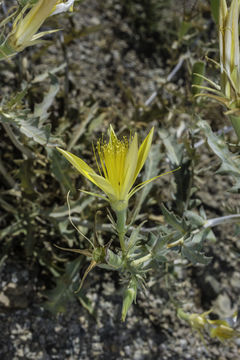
(130, 167)
(103, 184)
(79, 164)
(88, 172)
(143, 153)
(30, 24)
(140, 186)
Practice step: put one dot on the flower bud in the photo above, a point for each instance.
(129, 297)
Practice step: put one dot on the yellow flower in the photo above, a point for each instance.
(120, 163)
(24, 31)
(196, 321)
(222, 330)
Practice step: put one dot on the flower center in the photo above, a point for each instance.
(112, 156)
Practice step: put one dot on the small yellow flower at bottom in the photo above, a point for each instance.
(120, 162)
(222, 330)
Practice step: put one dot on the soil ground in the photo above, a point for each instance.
(111, 67)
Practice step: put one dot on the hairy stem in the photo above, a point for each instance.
(121, 228)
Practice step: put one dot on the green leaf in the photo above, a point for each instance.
(86, 303)
(185, 26)
(113, 260)
(174, 149)
(192, 248)
(230, 163)
(194, 219)
(16, 99)
(157, 244)
(195, 256)
(59, 297)
(215, 10)
(41, 110)
(173, 220)
(61, 212)
(27, 126)
(31, 130)
(235, 120)
(129, 297)
(198, 68)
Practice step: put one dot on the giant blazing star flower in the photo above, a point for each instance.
(119, 165)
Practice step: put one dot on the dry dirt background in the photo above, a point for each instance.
(103, 66)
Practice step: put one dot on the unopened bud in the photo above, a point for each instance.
(129, 297)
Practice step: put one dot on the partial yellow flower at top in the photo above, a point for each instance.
(228, 93)
(229, 49)
(24, 31)
(119, 165)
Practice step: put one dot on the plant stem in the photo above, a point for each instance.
(182, 315)
(6, 51)
(121, 228)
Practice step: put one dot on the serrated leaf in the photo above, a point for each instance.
(31, 130)
(26, 175)
(27, 126)
(174, 149)
(41, 110)
(16, 99)
(157, 243)
(197, 239)
(194, 218)
(177, 154)
(173, 220)
(195, 256)
(86, 303)
(45, 75)
(64, 290)
(230, 164)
